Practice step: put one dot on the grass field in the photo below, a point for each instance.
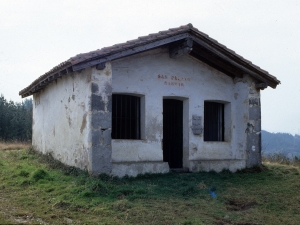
(36, 189)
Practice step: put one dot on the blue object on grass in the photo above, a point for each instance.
(212, 193)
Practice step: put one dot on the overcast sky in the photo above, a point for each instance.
(37, 35)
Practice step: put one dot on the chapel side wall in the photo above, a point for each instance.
(153, 75)
(61, 119)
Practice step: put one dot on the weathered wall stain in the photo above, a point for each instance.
(153, 129)
(88, 78)
(236, 96)
(250, 128)
(83, 124)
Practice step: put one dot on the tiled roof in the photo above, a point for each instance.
(129, 44)
(143, 40)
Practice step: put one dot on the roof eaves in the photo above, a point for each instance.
(236, 57)
(44, 79)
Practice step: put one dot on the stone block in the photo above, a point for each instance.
(101, 120)
(253, 149)
(95, 88)
(97, 103)
(254, 113)
(109, 103)
(100, 158)
(96, 137)
(106, 134)
(257, 125)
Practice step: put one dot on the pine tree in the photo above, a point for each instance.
(15, 120)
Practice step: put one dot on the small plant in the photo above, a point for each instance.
(40, 174)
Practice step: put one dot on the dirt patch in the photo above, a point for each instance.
(255, 169)
(13, 146)
(62, 205)
(231, 223)
(240, 204)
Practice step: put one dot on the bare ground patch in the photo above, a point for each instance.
(240, 204)
(13, 145)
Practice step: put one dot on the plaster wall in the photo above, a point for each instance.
(156, 76)
(61, 119)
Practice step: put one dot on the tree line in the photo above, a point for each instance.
(285, 143)
(15, 120)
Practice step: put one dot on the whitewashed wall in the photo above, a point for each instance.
(61, 119)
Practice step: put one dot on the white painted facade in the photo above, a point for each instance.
(156, 76)
(63, 112)
(61, 119)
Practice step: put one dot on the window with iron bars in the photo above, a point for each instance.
(126, 117)
(213, 121)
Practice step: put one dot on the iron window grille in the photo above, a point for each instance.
(126, 117)
(213, 121)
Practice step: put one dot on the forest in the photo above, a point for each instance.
(15, 120)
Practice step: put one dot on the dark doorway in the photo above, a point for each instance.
(173, 132)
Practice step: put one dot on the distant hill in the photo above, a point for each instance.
(284, 143)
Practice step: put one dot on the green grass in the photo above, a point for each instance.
(35, 189)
